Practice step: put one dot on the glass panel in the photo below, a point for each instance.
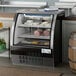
(34, 29)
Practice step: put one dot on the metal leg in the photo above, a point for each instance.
(9, 42)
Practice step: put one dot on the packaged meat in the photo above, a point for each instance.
(46, 32)
(38, 32)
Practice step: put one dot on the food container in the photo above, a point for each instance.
(1, 24)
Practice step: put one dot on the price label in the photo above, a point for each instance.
(46, 51)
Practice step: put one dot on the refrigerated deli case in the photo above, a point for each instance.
(36, 38)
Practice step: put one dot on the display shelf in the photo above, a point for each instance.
(4, 29)
(4, 54)
(30, 45)
(35, 26)
(33, 36)
(6, 16)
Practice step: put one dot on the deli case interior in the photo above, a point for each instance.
(36, 38)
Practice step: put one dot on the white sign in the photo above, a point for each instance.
(47, 51)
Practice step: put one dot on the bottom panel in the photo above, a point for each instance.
(32, 60)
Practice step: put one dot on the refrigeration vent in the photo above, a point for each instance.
(31, 60)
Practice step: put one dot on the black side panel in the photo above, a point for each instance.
(58, 42)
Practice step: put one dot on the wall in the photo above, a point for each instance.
(5, 9)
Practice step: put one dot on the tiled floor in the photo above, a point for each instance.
(65, 69)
